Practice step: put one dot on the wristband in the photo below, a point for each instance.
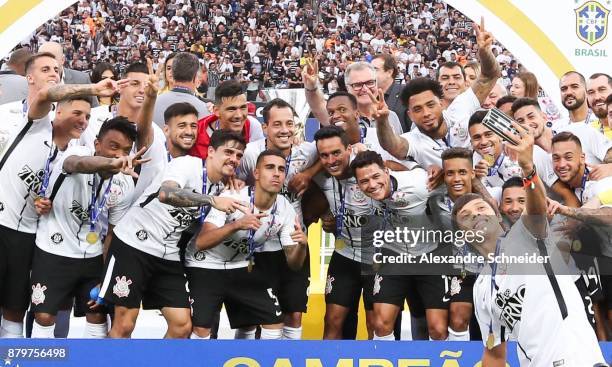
(530, 180)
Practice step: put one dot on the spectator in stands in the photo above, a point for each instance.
(104, 70)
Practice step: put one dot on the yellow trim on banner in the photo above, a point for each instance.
(533, 36)
(14, 10)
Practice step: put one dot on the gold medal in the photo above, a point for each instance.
(250, 267)
(490, 341)
(576, 246)
(490, 159)
(339, 244)
(91, 238)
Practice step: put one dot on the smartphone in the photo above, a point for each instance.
(500, 124)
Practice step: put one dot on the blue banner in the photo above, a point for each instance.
(232, 353)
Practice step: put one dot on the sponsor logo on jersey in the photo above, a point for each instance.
(57, 238)
(240, 246)
(78, 211)
(377, 280)
(32, 179)
(183, 216)
(511, 305)
(329, 284)
(122, 286)
(142, 235)
(289, 195)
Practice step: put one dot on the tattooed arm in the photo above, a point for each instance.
(490, 70)
(170, 193)
(45, 97)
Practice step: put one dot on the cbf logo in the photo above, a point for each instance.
(591, 22)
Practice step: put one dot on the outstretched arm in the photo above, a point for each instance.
(314, 96)
(489, 67)
(145, 117)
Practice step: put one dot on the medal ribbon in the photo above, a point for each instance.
(498, 162)
(95, 208)
(583, 182)
(47, 172)
(204, 209)
(251, 238)
(493, 287)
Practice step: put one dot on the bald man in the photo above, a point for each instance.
(13, 85)
(67, 76)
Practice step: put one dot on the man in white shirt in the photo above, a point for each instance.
(599, 87)
(290, 286)
(148, 235)
(220, 264)
(87, 193)
(508, 297)
(22, 170)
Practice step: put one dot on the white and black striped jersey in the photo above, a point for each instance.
(63, 231)
(232, 252)
(154, 227)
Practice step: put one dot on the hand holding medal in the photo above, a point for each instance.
(96, 206)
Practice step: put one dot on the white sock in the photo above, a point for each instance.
(268, 334)
(458, 336)
(42, 332)
(435, 340)
(196, 336)
(386, 337)
(245, 334)
(292, 333)
(95, 331)
(11, 329)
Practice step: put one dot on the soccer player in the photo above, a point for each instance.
(289, 286)
(143, 263)
(23, 164)
(491, 163)
(219, 261)
(508, 302)
(132, 96)
(599, 87)
(348, 208)
(512, 203)
(230, 113)
(402, 195)
(86, 193)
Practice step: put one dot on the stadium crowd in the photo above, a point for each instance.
(120, 190)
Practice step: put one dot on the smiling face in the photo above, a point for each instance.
(44, 72)
(360, 81)
(113, 144)
(478, 215)
(343, 114)
(280, 128)
(181, 131)
(517, 89)
(484, 141)
(568, 159)
(425, 110)
(73, 117)
(270, 173)
(452, 81)
(232, 113)
(573, 91)
(470, 77)
(225, 158)
(374, 181)
(531, 118)
(513, 203)
(598, 90)
(333, 155)
(134, 93)
(458, 175)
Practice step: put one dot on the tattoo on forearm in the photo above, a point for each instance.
(59, 92)
(489, 66)
(183, 198)
(599, 216)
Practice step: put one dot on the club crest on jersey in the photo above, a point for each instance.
(358, 196)
(511, 305)
(38, 294)
(142, 235)
(591, 22)
(78, 211)
(377, 280)
(200, 255)
(57, 238)
(116, 192)
(329, 284)
(122, 286)
(400, 198)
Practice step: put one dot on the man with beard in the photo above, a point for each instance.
(143, 264)
(508, 297)
(598, 89)
(34, 148)
(512, 203)
(220, 265)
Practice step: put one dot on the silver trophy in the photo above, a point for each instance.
(500, 123)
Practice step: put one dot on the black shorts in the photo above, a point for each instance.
(249, 299)
(587, 300)
(291, 287)
(465, 293)
(606, 284)
(346, 282)
(133, 276)
(16, 252)
(421, 291)
(57, 278)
